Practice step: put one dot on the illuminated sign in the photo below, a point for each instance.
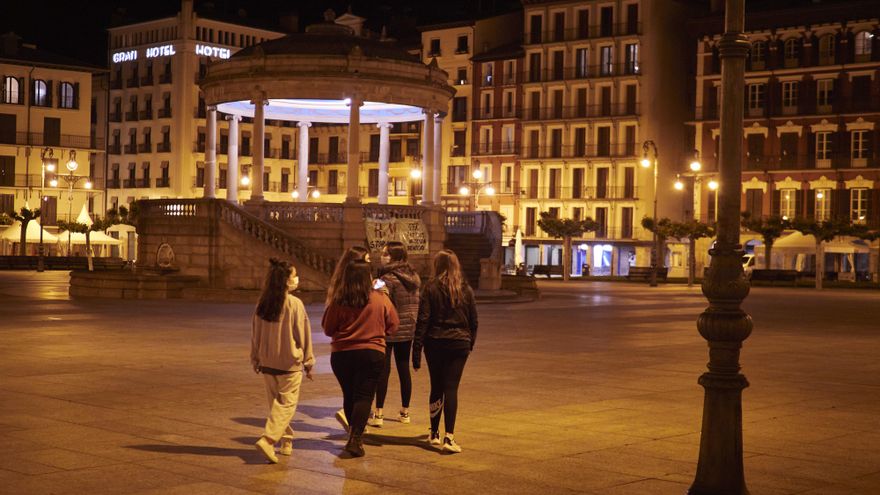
(160, 51)
(125, 56)
(213, 51)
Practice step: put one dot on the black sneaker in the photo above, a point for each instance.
(450, 446)
(434, 437)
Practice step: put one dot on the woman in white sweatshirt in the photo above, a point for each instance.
(281, 350)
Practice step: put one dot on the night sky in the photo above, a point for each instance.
(77, 28)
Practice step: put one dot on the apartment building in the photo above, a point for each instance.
(812, 114)
(596, 86)
(45, 113)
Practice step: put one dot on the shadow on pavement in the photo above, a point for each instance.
(249, 456)
(421, 441)
(317, 412)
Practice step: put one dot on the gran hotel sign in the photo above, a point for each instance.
(169, 51)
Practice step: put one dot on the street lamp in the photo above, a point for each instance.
(415, 175)
(48, 162)
(646, 163)
(71, 179)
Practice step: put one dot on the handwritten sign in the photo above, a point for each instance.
(410, 232)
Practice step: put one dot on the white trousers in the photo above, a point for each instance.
(283, 394)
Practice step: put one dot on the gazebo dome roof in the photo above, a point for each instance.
(328, 39)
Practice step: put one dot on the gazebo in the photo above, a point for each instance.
(326, 75)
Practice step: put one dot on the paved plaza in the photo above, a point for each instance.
(593, 389)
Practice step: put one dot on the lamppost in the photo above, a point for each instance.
(476, 186)
(697, 176)
(48, 163)
(72, 179)
(415, 176)
(646, 163)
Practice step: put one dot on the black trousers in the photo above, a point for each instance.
(358, 373)
(445, 365)
(400, 352)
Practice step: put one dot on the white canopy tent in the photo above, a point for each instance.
(12, 235)
(796, 247)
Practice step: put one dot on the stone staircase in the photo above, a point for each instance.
(470, 249)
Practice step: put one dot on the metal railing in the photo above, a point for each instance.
(582, 151)
(573, 73)
(582, 111)
(583, 33)
(61, 140)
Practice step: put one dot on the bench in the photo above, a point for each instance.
(547, 270)
(774, 275)
(643, 273)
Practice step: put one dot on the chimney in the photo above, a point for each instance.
(10, 43)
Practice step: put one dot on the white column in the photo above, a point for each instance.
(438, 162)
(354, 152)
(232, 162)
(384, 152)
(211, 153)
(428, 159)
(302, 165)
(257, 185)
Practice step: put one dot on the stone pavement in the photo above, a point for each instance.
(590, 390)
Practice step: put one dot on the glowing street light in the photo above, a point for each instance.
(696, 166)
(415, 173)
(679, 185)
(713, 185)
(477, 174)
(464, 191)
(245, 181)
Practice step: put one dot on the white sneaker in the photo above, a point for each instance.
(450, 446)
(403, 417)
(340, 416)
(267, 449)
(286, 447)
(434, 437)
(376, 420)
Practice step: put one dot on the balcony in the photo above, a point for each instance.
(145, 148)
(164, 147)
(147, 80)
(165, 78)
(583, 33)
(116, 117)
(61, 140)
(585, 72)
(165, 113)
(482, 149)
(142, 183)
(619, 150)
(114, 149)
(116, 84)
(130, 149)
(792, 161)
(113, 183)
(163, 182)
(131, 116)
(145, 114)
(133, 82)
(129, 183)
(582, 112)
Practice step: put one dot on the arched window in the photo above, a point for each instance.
(758, 52)
(863, 44)
(67, 96)
(11, 90)
(791, 50)
(41, 93)
(826, 49)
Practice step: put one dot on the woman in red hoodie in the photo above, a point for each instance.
(357, 320)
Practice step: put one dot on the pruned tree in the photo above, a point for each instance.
(565, 229)
(870, 235)
(25, 215)
(692, 230)
(112, 218)
(823, 232)
(770, 228)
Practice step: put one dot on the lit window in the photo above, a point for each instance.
(67, 96)
(823, 145)
(41, 93)
(787, 202)
(859, 144)
(863, 44)
(858, 205)
(823, 204)
(606, 65)
(11, 90)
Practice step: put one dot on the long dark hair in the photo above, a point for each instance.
(396, 250)
(274, 290)
(447, 273)
(351, 254)
(354, 292)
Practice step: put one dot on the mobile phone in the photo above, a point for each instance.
(378, 284)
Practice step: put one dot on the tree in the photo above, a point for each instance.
(565, 229)
(25, 216)
(770, 229)
(823, 232)
(112, 218)
(5, 219)
(870, 235)
(690, 230)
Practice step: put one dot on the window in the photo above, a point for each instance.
(826, 49)
(458, 142)
(791, 50)
(606, 21)
(462, 45)
(11, 90)
(580, 142)
(581, 62)
(859, 144)
(485, 140)
(824, 92)
(41, 93)
(605, 101)
(577, 213)
(507, 143)
(68, 96)
(577, 183)
(758, 54)
(535, 23)
(823, 145)
(823, 204)
(603, 141)
(787, 202)
(459, 109)
(531, 220)
(559, 26)
(461, 78)
(626, 222)
(606, 67)
(790, 94)
(457, 175)
(7, 174)
(558, 65)
(583, 23)
(632, 58)
(507, 178)
(487, 73)
(435, 48)
(534, 67)
(754, 202)
(858, 205)
(863, 46)
(756, 97)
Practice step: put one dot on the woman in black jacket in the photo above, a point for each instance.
(447, 329)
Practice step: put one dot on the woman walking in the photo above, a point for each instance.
(357, 321)
(402, 283)
(447, 329)
(281, 349)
